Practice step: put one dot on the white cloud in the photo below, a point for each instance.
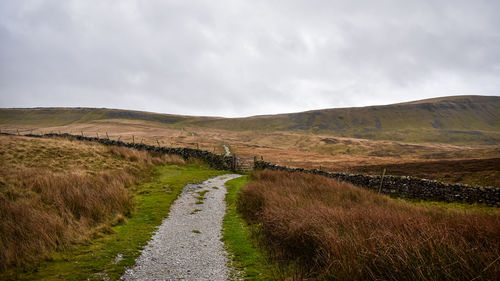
(239, 58)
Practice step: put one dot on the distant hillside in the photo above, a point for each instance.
(57, 116)
(459, 119)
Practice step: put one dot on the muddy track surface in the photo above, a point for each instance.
(187, 245)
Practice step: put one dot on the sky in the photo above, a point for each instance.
(244, 57)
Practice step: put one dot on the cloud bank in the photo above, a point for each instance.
(240, 58)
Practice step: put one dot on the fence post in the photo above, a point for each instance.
(107, 135)
(233, 163)
(133, 139)
(381, 181)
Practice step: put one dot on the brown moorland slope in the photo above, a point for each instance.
(334, 231)
(457, 119)
(484, 172)
(310, 151)
(54, 192)
(467, 135)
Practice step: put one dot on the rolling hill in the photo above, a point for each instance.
(58, 116)
(457, 119)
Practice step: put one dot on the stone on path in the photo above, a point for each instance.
(187, 245)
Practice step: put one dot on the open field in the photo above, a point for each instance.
(57, 192)
(306, 150)
(322, 229)
(473, 171)
(406, 139)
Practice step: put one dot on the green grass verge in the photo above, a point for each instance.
(247, 260)
(451, 206)
(109, 256)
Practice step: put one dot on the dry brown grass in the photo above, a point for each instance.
(54, 192)
(472, 171)
(331, 153)
(146, 157)
(51, 210)
(333, 230)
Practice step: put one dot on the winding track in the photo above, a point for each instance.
(177, 251)
(228, 152)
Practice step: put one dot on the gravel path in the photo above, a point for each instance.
(187, 245)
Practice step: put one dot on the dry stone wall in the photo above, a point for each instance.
(407, 186)
(216, 161)
(393, 185)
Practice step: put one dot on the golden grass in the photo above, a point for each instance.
(293, 149)
(333, 230)
(54, 192)
(51, 210)
(145, 156)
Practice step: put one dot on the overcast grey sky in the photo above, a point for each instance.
(240, 58)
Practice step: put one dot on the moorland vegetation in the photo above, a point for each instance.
(54, 192)
(322, 229)
(450, 139)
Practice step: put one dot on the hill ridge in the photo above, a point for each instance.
(455, 119)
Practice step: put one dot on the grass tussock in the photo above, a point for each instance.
(55, 192)
(118, 247)
(142, 156)
(51, 210)
(332, 230)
